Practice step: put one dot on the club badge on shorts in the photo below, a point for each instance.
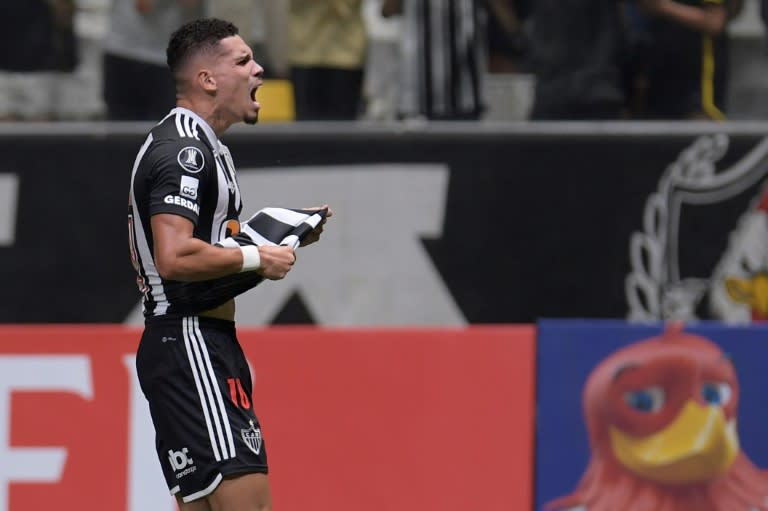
(252, 438)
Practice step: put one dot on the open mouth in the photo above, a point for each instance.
(253, 96)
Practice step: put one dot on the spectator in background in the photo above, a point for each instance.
(764, 12)
(636, 59)
(328, 43)
(577, 57)
(38, 43)
(263, 26)
(442, 58)
(136, 82)
(507, 38)
(687, 60)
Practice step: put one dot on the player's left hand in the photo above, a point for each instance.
(317, 231)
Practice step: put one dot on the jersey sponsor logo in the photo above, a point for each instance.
(252, 438)
(184, 203)
(231, 227)
(188, 187)
(191, 159)
(181, 462)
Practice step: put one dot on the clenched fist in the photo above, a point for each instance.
(276, 262)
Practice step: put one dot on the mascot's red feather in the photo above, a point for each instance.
(661, 416)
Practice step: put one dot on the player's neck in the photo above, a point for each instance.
(206, 110)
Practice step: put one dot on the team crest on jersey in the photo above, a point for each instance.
(191, 159)
(252, 438)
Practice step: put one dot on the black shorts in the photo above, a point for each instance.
(194, 374)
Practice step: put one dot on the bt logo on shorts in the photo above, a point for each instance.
(180, 460)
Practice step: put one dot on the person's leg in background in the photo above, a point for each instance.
(306, 83)
(160, 91)
(343, 90)
(119, 93)
(135, 90)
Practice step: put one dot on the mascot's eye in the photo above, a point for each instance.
(649, 400)
(716, 393)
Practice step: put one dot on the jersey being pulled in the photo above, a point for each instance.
(182, 169)
(268, 227)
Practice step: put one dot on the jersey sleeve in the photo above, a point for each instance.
(181, 170)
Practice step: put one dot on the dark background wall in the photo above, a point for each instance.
(537, 224)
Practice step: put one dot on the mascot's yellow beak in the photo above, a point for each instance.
(698, 445)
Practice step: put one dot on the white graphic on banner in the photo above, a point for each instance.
(657, 288)
(63, 373)
(371, 267)
(9, 192)
(146, 486)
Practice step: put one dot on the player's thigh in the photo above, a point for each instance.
(246, 492)
(195, 505)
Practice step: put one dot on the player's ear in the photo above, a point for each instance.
(206, 80)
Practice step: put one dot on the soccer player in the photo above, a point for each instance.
(184, 198)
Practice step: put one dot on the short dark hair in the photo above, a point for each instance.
(194, 37)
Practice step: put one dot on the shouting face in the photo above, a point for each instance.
(236, 78)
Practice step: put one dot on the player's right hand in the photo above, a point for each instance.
(276, 262)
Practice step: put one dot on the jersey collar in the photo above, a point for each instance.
(209, 133)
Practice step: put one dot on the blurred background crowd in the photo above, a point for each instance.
(402, 59)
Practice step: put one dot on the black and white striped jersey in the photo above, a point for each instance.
(442, 56)
(183, 169)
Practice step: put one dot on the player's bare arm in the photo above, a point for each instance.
(180, 256)
(709, 19)
(391, 8)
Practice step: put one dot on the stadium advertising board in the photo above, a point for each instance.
(353, 419)
(600, 223)
(651, 417)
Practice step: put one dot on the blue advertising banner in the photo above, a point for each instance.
(648, 417)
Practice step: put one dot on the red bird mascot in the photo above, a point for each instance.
(661, 416)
